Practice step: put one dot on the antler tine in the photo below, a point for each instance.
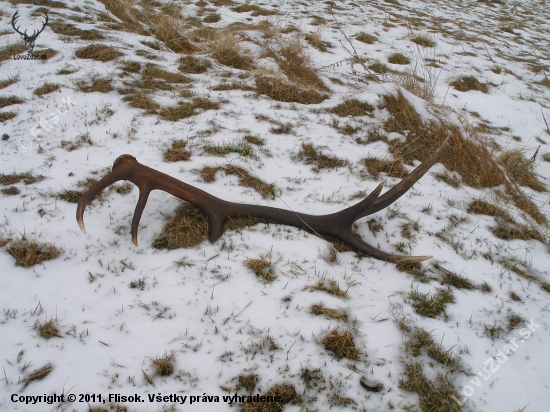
(142, 201)
(355, 212)
(341, 224)
(112, 177)
(363, 247)
(402, 187)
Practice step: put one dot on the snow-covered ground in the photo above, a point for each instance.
(209, 313)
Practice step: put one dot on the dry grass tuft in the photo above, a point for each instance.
(226, 49)
(341, 345)
(310, 154)
(514, 321)
(466, 83)
(482, 207)
(431, 305)
(262, 268)
(507, 228)
(423, 41)
(46, 88)
(238, 146)
(28, 252)
(70, 145)
(188, 109)
(296, 64)
(9, 81)
(124, 188)
(98, 84)
(5, 116)
(164, 364)
(473, 162)
(510, 231)
(232, 86)
(66, 70)
(333, 288)
(37, 375)
(380, 68)
(238, 223)
(169, 31)
(282, 128)
(208, 174)
(153, 71)
(48, 330)
(451, 180)
(10, 191)
(68, 29)
(27, 177)
(493, 331)
(312, 378)
(398, 58)
(365, 38)
(422, 342)
(125, 11)
(256, 10)
(141, 100)
(391, 168)
(73, 196)
(177, 152)
(283, 91)
(255, 140)
(329, 313)
(187, 228)
(194, 65)
(130, 66)
(513, 265)
(452, 279)
(212, 18)
(99, 52)
(374, 225)
(247, 382)
(414, 269)
(314, 40)
(435, 395)
(218, 3)
(524, 203)
(352, 107)
(9, 101)
(520, 170)
(267, 191)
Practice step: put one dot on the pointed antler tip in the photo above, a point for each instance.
(413, 259)
(134, 241)
(81, 226)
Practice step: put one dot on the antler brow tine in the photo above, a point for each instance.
(337, 225)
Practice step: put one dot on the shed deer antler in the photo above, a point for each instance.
(337, 225)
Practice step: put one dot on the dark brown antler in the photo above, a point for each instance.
(337, 225)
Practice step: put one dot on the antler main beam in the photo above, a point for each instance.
(337, 225)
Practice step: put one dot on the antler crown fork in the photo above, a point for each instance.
(337, 225)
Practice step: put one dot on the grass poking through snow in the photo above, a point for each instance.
(28, 252)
